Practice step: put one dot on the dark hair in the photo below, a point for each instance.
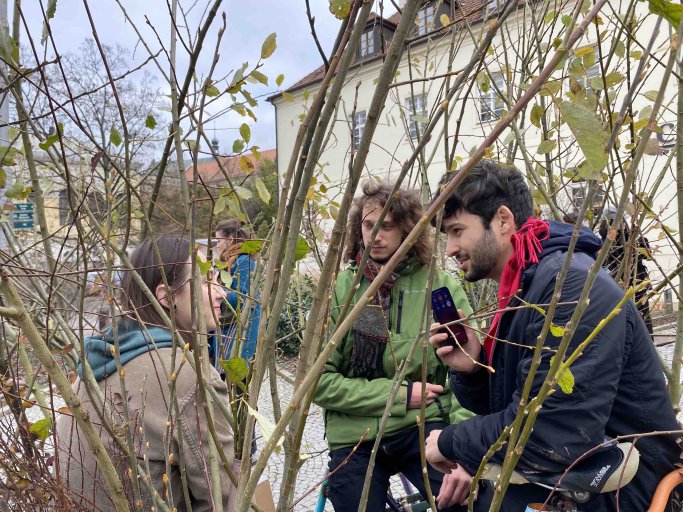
(405, 210)
(174, 251)
(488, 186)
(234, 228)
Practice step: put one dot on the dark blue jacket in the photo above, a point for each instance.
(619, 385)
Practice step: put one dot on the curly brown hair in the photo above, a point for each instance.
(405, 210)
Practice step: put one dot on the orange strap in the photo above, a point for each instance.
(667, 484)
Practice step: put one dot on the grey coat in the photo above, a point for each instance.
(168, 439)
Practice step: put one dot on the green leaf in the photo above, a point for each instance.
(49, 14)
(302, 249)
(596, 83)
(645, 112)
(670, 11)
(280, 78)
(236, 371)
(566, 20)
(211, 90)
(614, 78)
(620, 49)
(557, 330)
(252, 246)
(18, 191)
(269, 46)
(8, 154)
(549, 18)
(260, 77)
(243, 192)
(237, 78)
(52, 138)
(340, 8)
(536, 115)
(226, 278)
(538, 197)
(588, 60)
(262, 190)
(150, 122)
(546, 146)
(584, 50)
(247, 96)
(245, 132)
(114, 136)
(41, 428)
(590, 135)
(203, 265)
(551, 88)
(484, 81)
(220, 205)
(287, 97)
(246, 164)
(3, 178)
(565, 379)
(651, 95)
(238, 146)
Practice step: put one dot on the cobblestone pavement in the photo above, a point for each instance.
(314, 448)
(314, 445)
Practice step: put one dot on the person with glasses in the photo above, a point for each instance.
(142, 366)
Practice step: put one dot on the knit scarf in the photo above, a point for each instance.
(526, 245)
(371, 330)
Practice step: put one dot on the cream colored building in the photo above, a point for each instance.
(434, 59)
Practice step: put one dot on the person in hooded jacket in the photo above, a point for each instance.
(158, 402)
(626, 261)
(619, 386)
(358, 377)
(238, 324)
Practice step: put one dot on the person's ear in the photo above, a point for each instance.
(507, 221)
(161, 293)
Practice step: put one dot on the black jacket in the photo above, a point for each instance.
(619, 385)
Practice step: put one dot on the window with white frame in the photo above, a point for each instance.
(425, 19)
(359, 119)
(416, 107)
(492, 105)
(367, 43)
(585, 81)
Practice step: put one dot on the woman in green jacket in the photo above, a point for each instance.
(355, 387)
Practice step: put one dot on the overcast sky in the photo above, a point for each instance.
(248, 23)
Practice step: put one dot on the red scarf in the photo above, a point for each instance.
(526, 245)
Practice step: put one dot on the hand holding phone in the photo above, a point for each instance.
(445, 312)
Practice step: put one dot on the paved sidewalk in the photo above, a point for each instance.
(314, 448)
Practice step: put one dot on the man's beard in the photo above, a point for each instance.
(483, 257)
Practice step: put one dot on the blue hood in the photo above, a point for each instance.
(561, 235)
(133, 341)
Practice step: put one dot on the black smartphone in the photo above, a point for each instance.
(444, 311)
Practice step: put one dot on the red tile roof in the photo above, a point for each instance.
(473, 13)
(210, 172)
